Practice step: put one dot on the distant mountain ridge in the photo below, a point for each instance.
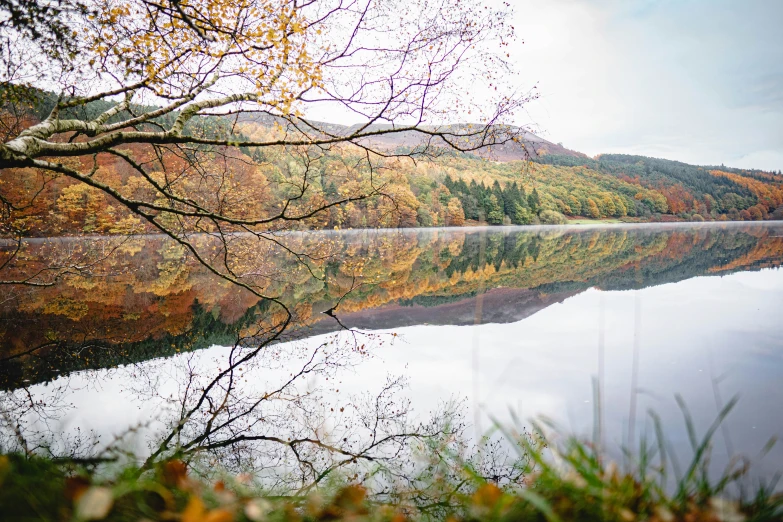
(529, 181)
(530, 145)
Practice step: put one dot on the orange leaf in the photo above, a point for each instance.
(487, 495)
(174, 473)
(194, 511)
(219, 515)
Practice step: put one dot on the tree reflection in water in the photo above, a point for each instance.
(274, 408)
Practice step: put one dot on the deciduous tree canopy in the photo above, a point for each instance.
(149, 99)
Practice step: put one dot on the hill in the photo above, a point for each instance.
(552, 187)
(709, 191)
(524, 182)
(562, 183)
(528, 145)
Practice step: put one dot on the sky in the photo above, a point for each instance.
(700, 81)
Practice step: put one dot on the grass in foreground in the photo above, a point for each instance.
(565, 481)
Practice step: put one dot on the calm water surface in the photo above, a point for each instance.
(500, 321)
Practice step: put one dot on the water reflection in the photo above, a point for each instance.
(492, 318)
(151, 300)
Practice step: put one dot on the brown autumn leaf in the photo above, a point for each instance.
(175, 473)
(75, 487)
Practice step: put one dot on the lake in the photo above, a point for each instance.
(132, 342)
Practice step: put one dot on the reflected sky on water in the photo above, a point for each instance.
(711, 334)
(706, 338)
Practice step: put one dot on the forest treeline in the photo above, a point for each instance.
(452, 189)
(634, 188)
(691, 192)
(150, 299)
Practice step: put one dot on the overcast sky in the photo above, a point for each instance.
(699, 81)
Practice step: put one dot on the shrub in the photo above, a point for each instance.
(551, 217)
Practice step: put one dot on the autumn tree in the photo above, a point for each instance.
(494, 211)
(199, 119)
(755, 213)
(455, 216)
(161, 91)
(592, 209)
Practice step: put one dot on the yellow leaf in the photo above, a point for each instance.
(219, 515)
(194, 511)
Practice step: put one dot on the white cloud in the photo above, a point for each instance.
(696, 81)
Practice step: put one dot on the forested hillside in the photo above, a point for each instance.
(549, 186)
(689, 190)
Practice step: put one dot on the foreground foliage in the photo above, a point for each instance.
(562, 480)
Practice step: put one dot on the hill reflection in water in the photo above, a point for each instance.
(489, 319)
(150, 299)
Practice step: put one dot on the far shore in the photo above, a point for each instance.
(9, 243)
